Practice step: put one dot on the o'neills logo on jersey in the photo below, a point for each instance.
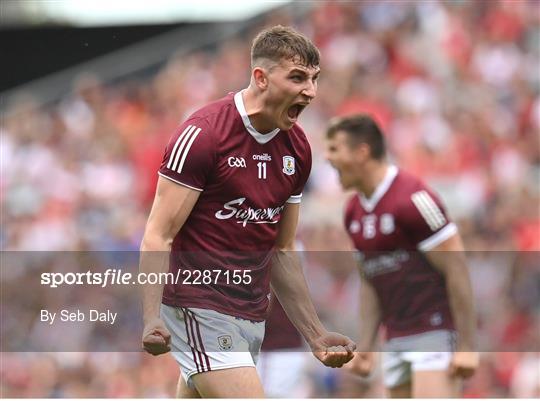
(265, 157)
(248, 215)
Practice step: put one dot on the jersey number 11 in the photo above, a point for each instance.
(262, 170)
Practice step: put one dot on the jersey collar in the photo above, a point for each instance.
(260, 138)
(380, 191)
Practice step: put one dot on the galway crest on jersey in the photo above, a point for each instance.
(288, 165)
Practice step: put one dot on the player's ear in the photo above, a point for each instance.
(260, 78)
(362, 151)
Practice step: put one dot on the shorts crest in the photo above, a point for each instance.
(225, 342)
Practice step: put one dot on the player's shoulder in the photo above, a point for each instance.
(202, 130)
(406, 185)
(297, 138)
(413, 194)
(298, 134)
(214, 113)
(406, 181)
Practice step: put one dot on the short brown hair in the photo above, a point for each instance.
(360, 128)
(281, 42)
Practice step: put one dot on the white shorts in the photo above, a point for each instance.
(282, 373)
(203, 340)
(399, 361)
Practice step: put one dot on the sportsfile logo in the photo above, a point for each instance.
(248, 215)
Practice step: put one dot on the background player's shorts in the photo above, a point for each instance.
(203, 340)
(283, 374)
(398, 361)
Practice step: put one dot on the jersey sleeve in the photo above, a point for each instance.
(190, 155)
(425, 219)
(304, 169)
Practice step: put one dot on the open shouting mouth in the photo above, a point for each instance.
(294, 111)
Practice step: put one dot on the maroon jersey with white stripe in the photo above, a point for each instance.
(391, 230)
(245, 179)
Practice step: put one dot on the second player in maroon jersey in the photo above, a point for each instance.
(414, 278)
(389, 230)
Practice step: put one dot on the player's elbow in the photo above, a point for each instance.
(155, 242)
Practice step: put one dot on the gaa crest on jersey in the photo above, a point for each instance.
(225, 342)
(288, 165)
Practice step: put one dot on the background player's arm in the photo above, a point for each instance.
(370, 319)
(427, 223)
(172, 205)
(289, 285)
(449, 258)
(370, 315)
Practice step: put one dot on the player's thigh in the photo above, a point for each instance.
(206, 341)
(434, 384)
(184, 391)
(401, 391)
(430, 375)
(241, 382)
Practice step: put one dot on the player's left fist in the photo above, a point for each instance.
(464, 364)
(333, 349)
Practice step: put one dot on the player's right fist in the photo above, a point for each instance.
(361, 364)
(156, 338)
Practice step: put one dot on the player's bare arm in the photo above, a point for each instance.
(172, 205)
(289, 285)
(370, 319)
(370, 315)
(449, 258)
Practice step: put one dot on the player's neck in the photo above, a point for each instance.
(255, 107)
(373, 176)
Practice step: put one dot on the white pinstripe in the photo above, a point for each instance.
(428, 209)
(428, 215)
(193, 137)
(171, 158)
(433, 207)
(185, 138)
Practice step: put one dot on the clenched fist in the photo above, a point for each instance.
(333, 349)
(156, 338)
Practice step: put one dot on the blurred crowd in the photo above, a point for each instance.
(455, 86)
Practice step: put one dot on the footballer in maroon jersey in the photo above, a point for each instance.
(224, 220)
(412, 266)
(245, 179)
